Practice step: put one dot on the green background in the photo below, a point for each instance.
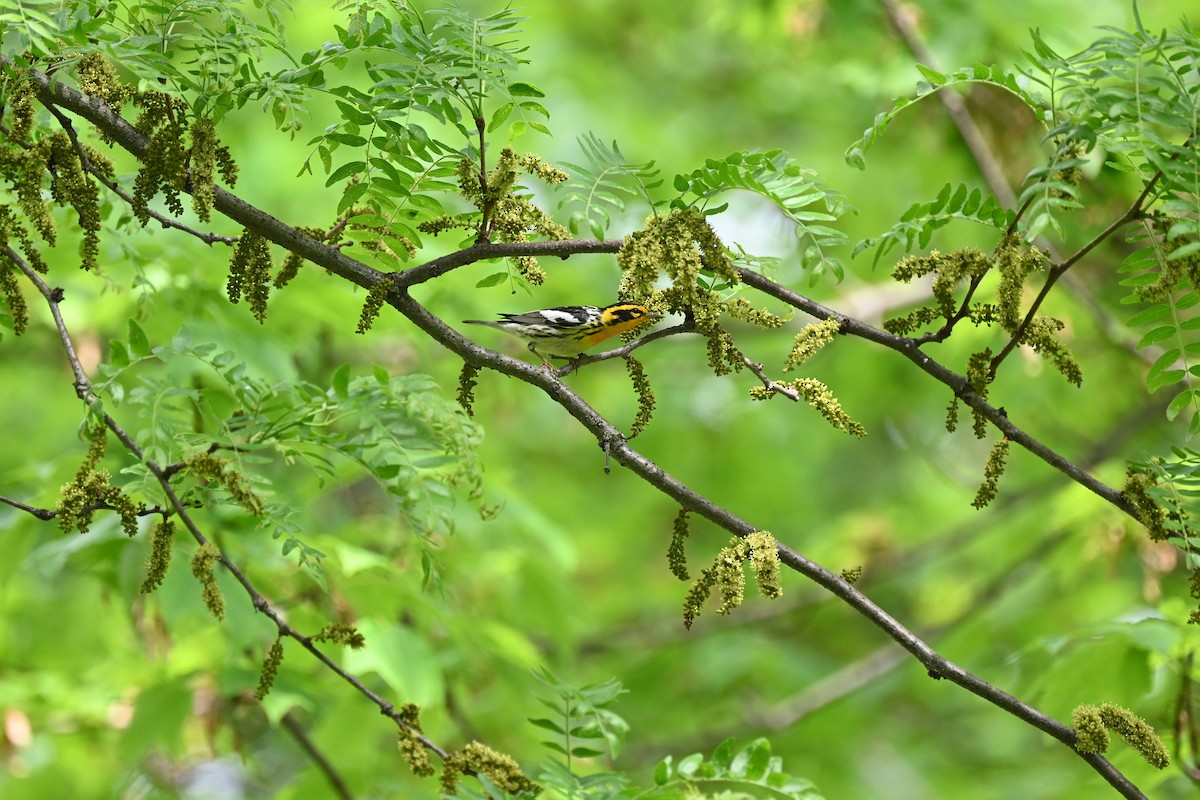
(1049, 593)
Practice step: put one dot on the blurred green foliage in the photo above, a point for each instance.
(1047, 593)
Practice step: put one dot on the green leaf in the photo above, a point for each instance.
(340, 381)
(351, 139)
(118, 354)
(1181, 401)
(1154, 313)
(495, 279)
(522, 89)
(1156, 335)
(549, 725)
(603, 184)
(345, 171)
(932, 76)
(139, 346)
(499, 116)
(722, 756)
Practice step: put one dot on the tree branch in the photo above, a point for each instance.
(936, 665)
(1132, 213)
(958, 383)
(608, 435)
(39, 513)
(83, 389)
(336, 781)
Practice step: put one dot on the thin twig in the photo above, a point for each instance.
(770, 385)
(958, 383)
(40, 513)
(336, 781)
(625, 349)
(47, 514)
(1132, 213)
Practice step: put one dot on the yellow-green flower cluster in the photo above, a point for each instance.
(373, 304)
(741, 308)
(250, 272)
(411, 747)
(1171, 271)
(20, 110)
(979, 375)
(952, 415)
(98, 78)
(92, 489)
(1041, 336)
(173, 162)
(270, 668)
(467, 379)
(503, 770)
(819, 396)
(203, 167)
(724, 356)
(992, 471)
(676, 552)
(203, 562)
(684, 245)
(1194, 590)
(341, 633)
(162, 541)
(1015, 260)
(812, 338)
(504, 215)
(293, 260)
(645, 395)
(164, 165)
(10, 288)
(727, 575)
(210, 467)
(1149, 512)
(764, 561)
(1092, 724)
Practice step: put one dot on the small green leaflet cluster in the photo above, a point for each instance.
(1171, 310)
(936, 81)
(1133, 94)
(746, 773)
(583, 726)
(399, 429)
(917, 224)
(451, 71)
(207, 50)
(792, 188)
(1177, 488)
(603, 185)
(607, 182)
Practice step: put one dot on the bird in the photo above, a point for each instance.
(566, 331)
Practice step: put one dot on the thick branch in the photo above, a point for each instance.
(609, 436)
(620, 450)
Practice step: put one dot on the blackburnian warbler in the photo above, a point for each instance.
(567, 331)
